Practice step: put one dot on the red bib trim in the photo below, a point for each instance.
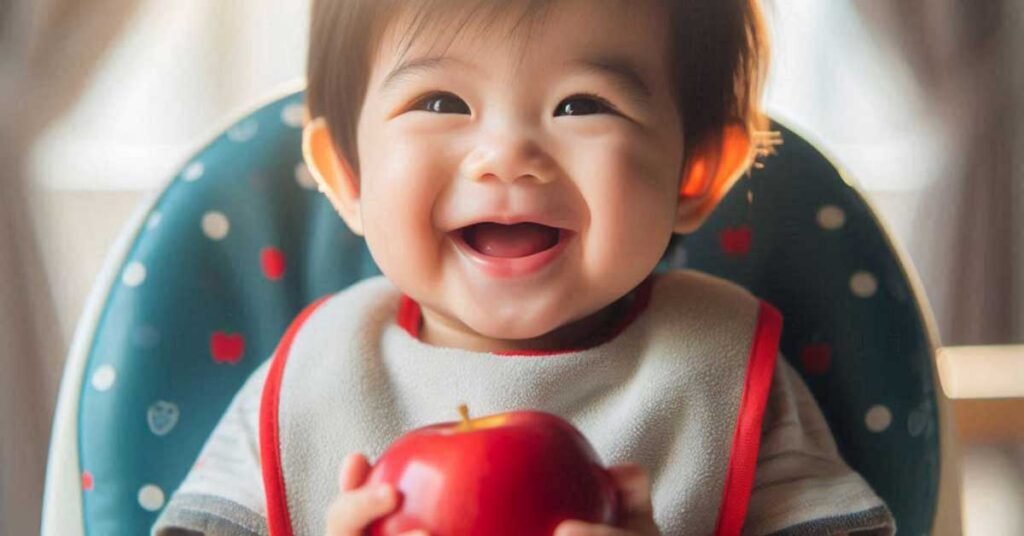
(747, 437)
(279, 521)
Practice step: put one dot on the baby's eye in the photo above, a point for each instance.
(583, 105)
(442, 103)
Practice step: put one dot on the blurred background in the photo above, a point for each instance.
(921, 102)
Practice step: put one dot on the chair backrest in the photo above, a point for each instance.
(240, 240)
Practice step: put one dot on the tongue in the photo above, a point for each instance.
(517, 240)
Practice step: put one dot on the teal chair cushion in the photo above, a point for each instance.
(241, 240)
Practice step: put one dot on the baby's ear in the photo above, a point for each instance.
(712, 168)
(332, 172)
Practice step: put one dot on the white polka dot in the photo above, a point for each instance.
(216, 225)
(863, 284)
(878, 418)
(153, 220)
(304, 177)
(244, 131)
(151, 497)
(103, 378)
(134, 274)
(831, 217)
(293, 114)
(193, 171)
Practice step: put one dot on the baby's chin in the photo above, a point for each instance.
(521, 330)
(520, 334)
(554, 333)
(493, 333)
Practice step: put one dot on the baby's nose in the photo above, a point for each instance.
(509, 160)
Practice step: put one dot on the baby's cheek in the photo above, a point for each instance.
(391, 225)
(404, 246)
(626, 238)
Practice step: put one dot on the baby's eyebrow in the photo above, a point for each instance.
(622, 70)
(421, 64)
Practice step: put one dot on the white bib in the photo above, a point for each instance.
(681, 390)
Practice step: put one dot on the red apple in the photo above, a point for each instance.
(519, 473)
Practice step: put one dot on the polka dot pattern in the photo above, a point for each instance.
(162, 417)
(193, 172)
(816, 358)
(736, 240)
(863, 285)
(104, 377)
(292, 115)
(151, 497)
(87, 481)
(878, 418)
(243, 131)
(831, 217)
(304, 177)
(134, 274)
(173, 330)
(272, 260)
(216, 225)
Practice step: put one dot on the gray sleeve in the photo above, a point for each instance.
(222, 495)
(207, 515)
(802, 485)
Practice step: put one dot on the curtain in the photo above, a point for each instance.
(965, 57)
(47, 49)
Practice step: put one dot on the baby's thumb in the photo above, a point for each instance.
(352, 512)
(353, 472)
(634, 486)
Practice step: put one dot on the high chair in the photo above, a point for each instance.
(206, 277)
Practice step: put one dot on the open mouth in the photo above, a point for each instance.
(510, 241)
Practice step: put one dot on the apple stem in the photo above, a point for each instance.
(464, 412)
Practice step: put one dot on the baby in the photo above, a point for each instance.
(517, 169)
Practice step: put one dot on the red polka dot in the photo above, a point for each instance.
(87, 481)
(227, 347)
(736, 240)
(816, 358)
(272, 262)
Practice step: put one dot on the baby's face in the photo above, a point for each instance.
(490, 132)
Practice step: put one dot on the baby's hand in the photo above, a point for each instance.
(357, 505)
(634, 487)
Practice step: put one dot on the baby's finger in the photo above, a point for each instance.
(580, 528)
(635, 487)
(353, 472)
(350, 513)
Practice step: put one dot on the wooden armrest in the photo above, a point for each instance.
(982, 371)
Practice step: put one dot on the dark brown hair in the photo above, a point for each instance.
(719, 48)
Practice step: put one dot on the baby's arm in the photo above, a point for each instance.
(222, 495)
(802, 485)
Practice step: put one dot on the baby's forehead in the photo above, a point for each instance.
(525, 30)
(415, 26)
